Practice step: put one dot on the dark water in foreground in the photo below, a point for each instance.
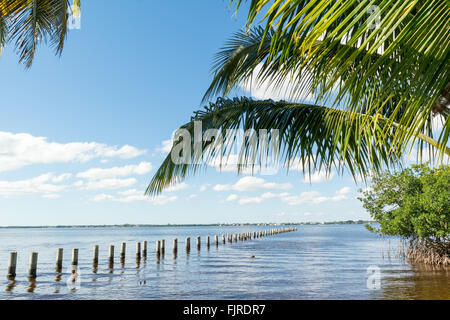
(315, 262)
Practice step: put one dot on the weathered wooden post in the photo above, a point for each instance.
(158, 248)
(59, 259)
(144, 249)
(175, 248)
(138, 251)
(95, 258)
(188, 244)
(123, 250)
(198, 242)
(12, 266)
(216, 240)
(223, 239)
(207, 242)
(74, 257)
(111, 256)
(163, 246)
(32, 271)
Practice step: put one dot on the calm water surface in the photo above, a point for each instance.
(315, 262)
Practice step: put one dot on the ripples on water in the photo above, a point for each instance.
(315, 262)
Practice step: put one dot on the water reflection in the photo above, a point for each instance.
(418, 281)
(317, 262)
(31, 285)
(11, 285)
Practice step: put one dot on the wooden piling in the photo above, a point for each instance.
(59, 259)
(144, 249)
(163, 246)
(123, 251)
(74, 256)
(198, 242)
(158, 248)
(216, 240)
(111, 256)
(12, 265)
(138, 251)
(188, 244)
(95, 258)
(207, 242)
(32, 271)
(223, 239)
(175, 247)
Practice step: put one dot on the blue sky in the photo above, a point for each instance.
(82, 135)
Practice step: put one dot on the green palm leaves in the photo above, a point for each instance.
(395, 53)
(378, 69)
(28, 22)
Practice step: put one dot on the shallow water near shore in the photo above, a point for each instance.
(314, 262)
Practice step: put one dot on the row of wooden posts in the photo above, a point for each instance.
(160, 250)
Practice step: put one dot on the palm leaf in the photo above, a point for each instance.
(29, 22)
(403, 64)
(323, 138)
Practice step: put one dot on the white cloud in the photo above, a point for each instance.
(231, 198)
(23, 149)
(252, 184)
(257, 199)
(414, 156)
(177, 187)
(166, 146)
(204, 187)
(112, 183)
(43, 184)
(62, 177)
(102, 197)
(248, 200)
(115, 172)
(192, 196)
(315, 197)
(51, 196)
(134, 195)
(318, 177)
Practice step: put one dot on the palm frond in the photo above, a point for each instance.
(321, 137)
(403, 63)
(29, 22)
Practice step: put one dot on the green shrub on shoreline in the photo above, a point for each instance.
(415, 205)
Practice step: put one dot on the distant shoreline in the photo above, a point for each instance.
(188, 225)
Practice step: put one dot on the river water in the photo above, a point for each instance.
(314, 262)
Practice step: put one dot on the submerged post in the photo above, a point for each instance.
(138, 251)
(188, 244)
(32, 271)
(163, 246)
(223, 239)
(216, 240)
(207, 242)
(95, 255)
(175, 247)
(123, 250)
(111, 256)
(198, 242)
(144, 249)
(12, 265)
(158, 248)
(59, 259)
(74, 256)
